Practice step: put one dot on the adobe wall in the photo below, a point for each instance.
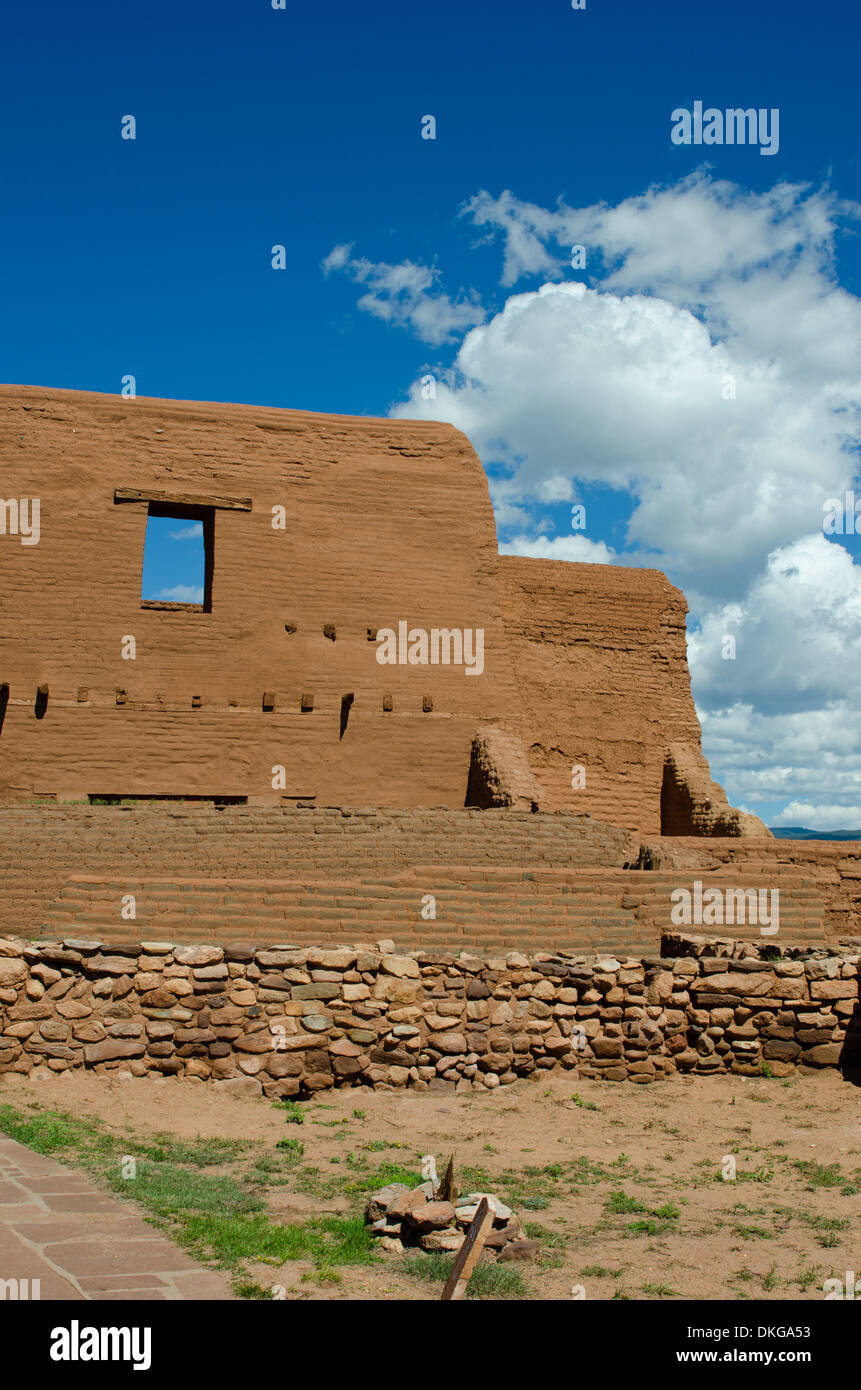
(295, 1022)
(832, 868)
(386, 521)
(438, 879)
(601, 659)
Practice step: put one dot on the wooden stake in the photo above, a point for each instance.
(469, 1252)
(447, 1191)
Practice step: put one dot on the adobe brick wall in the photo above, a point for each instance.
(601, 659)
(499, 879)
(832, 868)
(387, 521)
(42, 847)
(294, 1022)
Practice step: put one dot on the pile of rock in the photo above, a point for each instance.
(404, 1216)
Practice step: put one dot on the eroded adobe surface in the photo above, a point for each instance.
(385, 522)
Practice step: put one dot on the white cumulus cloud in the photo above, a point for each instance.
(706, 362)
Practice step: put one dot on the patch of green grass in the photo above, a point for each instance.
(294, 1147)
(53, 1132)
(168, 1190)
(488, 1280)
(293, 1112)
(619, 1203)
(553, 1240)
(748, 1232)
(247, 1288)
(648, 1227)
(582, 1170)
(327, 1241)
(599, 1272)
(584, 1104)
(761, 1174)
(660, 1290)
(356, 1178)
(202, 1153)
(828, 1175)
(824, 1223)
(807, 1276)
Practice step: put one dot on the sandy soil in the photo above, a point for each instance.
(774, 1232)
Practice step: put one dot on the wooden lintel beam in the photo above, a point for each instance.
(183, 499)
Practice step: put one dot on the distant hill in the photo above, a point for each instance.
(798, 832)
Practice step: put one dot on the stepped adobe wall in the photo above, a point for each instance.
(436, 879)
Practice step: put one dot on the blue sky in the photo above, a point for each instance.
(258, 127)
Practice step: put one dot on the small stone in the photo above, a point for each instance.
(390, 1245)
(448, 1242)
(401, 966)
(406, 1200)
(316, 1023)
(432, 1216)
(466, 1207)
(198, 955)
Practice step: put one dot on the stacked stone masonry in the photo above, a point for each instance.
(293, 1021)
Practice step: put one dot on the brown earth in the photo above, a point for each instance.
(564, 1146)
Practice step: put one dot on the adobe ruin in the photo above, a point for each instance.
(320, 533)
(326, 869)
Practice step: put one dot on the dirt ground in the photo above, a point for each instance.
(624, 1183)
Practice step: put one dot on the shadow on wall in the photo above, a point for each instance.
(499, 773)
(850, 1054)
(676, 804)
(692, 803)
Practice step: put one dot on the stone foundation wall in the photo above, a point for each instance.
(295, 1021)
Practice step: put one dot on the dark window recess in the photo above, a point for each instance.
(41, 705)
(179, 558)
(346, 706)
(4, 700)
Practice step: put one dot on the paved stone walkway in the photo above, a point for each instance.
(57, 1227)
